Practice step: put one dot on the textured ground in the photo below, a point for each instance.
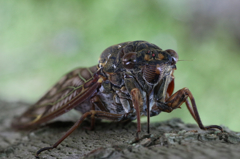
(169, 139)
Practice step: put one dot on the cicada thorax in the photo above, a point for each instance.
(61, 94)
(111, 58)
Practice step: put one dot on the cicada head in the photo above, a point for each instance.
(153, 62)
(159, 64)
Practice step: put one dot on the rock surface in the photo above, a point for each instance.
(171, 139)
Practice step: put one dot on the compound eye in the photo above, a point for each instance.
(129, 60)
(174, 56)
(172, 53)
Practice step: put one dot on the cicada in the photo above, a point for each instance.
(131, 79)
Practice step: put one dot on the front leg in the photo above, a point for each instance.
(177, 99)
(138, 101)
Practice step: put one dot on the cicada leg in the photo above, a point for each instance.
(181, 96)
(95, 101)
(92, 113)
(137, 103)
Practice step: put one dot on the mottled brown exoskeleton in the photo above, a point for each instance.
(132, 79)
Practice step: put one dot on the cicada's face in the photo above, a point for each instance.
(153, 64)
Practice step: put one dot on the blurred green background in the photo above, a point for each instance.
(42, 40)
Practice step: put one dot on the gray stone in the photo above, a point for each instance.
(170, 139)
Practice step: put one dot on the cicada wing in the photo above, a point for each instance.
(75, 87)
